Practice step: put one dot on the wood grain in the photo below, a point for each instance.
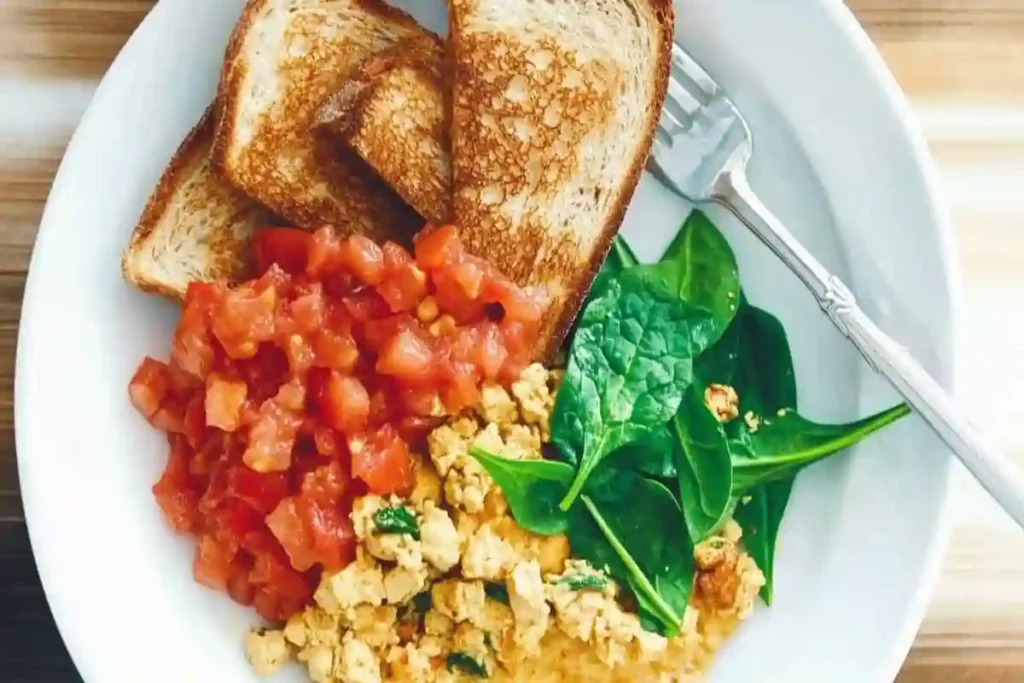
(960, 61)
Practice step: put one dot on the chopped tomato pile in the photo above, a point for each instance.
(287, 396)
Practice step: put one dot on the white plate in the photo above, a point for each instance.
(835, 157)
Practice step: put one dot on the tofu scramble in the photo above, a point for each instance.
(447, 587)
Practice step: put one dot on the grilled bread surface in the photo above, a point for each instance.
(392, 113)
(194, 226)
(554, 109)
(284, 59)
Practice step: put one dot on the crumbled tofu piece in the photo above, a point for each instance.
(722, 401)
(411, 664)
(496, 405)
(357, 663)
(458, 600)
(535, 398)
(313, 628)
(267, 651)
(717, 580)
(522, 442)
(320, 664)
(550, 551)
(437, 624)
(472, 641)
(752, 421)
(439, 540)
(428, 484)
(465, 482)
(361, 582)
(487, 556)
(375, 626)
(528, 603)
(392, 547)
(401, 584)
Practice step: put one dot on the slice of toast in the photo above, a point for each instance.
(554, 109)
(194, 226)
(392, 112)
(284, 59)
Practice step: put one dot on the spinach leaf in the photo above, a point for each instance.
(632, 528)
(396, 520)
(700, 268)
(759, 514)
(652, 456)
(461, 662)
(532, 488)
(754, 358)
(703, 465)
(630, 362)
(423, 601)
(620, 257)
(496, 591)
(785, 443)
(584, 582)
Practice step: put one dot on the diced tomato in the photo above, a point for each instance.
(261, 491)
(436, 247)
(344, 403)
(149, 386)
(288, 396)
(406, 356)
(245, 318)
(286, 584)
(382, 461)
(363, 258)
(212, 565)
(287, 247)
(334, 539)
(490, 352)
(335, 350)
(224, 399)
(272, 436)
(174, 493)
(326, 484)
(291, 532)
(403, 287)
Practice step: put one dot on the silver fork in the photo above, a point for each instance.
(701, 151)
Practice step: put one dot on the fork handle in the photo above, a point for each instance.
(1003, 480)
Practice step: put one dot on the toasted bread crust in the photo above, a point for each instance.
(392, 113)
(354, 200)
(225, 257)
(510, 160)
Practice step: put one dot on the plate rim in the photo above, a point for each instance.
(874, 68)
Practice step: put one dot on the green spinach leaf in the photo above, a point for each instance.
(630, 362)
(785, 443)
(632, 528)
(759, 514)
(753, 356)
(584, 582)
(396, 520)
(496, 591)
(533, 489)
(461, 662)
(700, 268)
(703, 465)
(620, 257)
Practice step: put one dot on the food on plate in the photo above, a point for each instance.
(392, 113)
(458, 589)
(287, 395)
(284, 59)
(554, 108)
(424, 465)
(195, 227)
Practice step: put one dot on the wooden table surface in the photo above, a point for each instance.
(961, 63)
